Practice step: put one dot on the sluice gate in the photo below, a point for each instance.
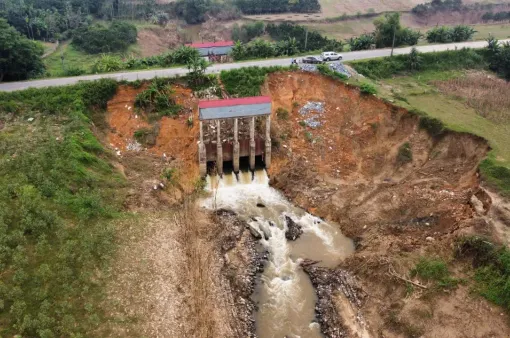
(234, 128)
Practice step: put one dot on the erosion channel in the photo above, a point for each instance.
(284, 295)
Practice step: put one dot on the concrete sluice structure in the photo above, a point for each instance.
(234, 128)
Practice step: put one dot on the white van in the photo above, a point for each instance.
(331, 56)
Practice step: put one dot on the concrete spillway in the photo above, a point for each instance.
(230, 129)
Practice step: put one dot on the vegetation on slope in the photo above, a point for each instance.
(247, 81)
(495, 169)
(57, 192)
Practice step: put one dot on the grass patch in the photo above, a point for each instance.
(492, 268)
(57, 193)
(434, 270)
(487, 95)
(441, 61)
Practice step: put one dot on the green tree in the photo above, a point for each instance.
(388, 30)
(500, 58)
(20, 58)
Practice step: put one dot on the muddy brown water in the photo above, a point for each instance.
(284, 295)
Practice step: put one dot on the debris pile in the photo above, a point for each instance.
(334, 66)
(312, 111)
(328, 282)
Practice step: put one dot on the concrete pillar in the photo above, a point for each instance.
(252, 143)
(267, 153)
(236, 147)
(202, 156)
(219, 150)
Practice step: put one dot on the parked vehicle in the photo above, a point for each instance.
(311, 59)
(331, 56)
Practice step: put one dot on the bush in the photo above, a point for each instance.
(450, 34)
(405, 154)
(107, 63)
(156, 100)
(362, 42)
(432, 125)
(368, 89)
(74, 71)
(97, 39)
(282, 114)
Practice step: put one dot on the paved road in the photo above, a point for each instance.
(171, 72)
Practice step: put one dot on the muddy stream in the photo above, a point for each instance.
(284, 295)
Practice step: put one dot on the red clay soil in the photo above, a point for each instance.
(347, 171)
(175, 141)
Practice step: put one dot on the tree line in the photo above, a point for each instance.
(437, 6)
(500, 16)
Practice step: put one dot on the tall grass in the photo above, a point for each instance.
(399, 65)
(489, 96)
(57, 191)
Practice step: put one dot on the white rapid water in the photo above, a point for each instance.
(285, 296)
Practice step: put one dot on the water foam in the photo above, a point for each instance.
(285, 295)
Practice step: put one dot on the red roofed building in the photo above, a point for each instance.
(213, 48)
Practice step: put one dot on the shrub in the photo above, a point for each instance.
(368, 89)
(74, 71)
(432, 125)
(169, 174)
(107, 63)
(156, 99)
(405, 154)
(362, 42)
(96, 39)
(450, 34)
(282, 114)
(434, 269)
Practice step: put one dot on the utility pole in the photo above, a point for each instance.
(393, 42)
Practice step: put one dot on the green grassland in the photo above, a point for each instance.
(76, 59)
(58, 195)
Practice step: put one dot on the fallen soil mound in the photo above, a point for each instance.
(396, 190)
